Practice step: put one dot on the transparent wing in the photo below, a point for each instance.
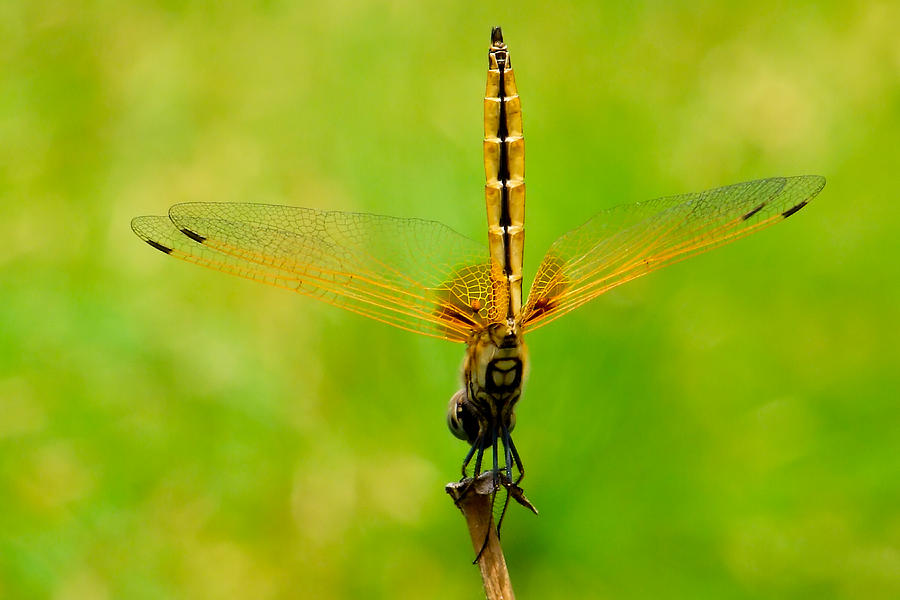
(417, 275)
(625, 242)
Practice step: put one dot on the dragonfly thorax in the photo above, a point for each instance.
(493, 372)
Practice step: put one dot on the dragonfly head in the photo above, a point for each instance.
(463, 420)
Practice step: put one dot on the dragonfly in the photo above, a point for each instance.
(424, 277)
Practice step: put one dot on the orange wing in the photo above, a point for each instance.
(417, 275)
(625, 242)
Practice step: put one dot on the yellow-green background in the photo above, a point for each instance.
(726, 428)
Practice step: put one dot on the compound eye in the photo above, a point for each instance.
(457, 414)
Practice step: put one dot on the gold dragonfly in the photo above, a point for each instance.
(422, 276)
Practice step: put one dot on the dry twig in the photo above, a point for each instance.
(473, 497)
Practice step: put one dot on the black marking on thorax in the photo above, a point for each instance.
(503, 375)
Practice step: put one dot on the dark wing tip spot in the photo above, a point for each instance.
(159, 246)
(753, 212)
(791, 211)
(194, 236)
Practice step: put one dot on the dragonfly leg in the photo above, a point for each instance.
(515, 454)
(508, 474)
(495, 475)
(479, 455)
(475, 446)
(507, 452)
(512, 487)
(484, 545)
(503, 512)
(496, 462)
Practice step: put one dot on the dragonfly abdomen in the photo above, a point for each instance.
(504, 165)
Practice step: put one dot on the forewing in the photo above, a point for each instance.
(625, 242)
(416, 275)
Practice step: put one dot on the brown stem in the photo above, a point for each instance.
(473, 497)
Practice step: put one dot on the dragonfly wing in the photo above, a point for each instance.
(416, 275)
(625, 242)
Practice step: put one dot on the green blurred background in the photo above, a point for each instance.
(726, 428)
